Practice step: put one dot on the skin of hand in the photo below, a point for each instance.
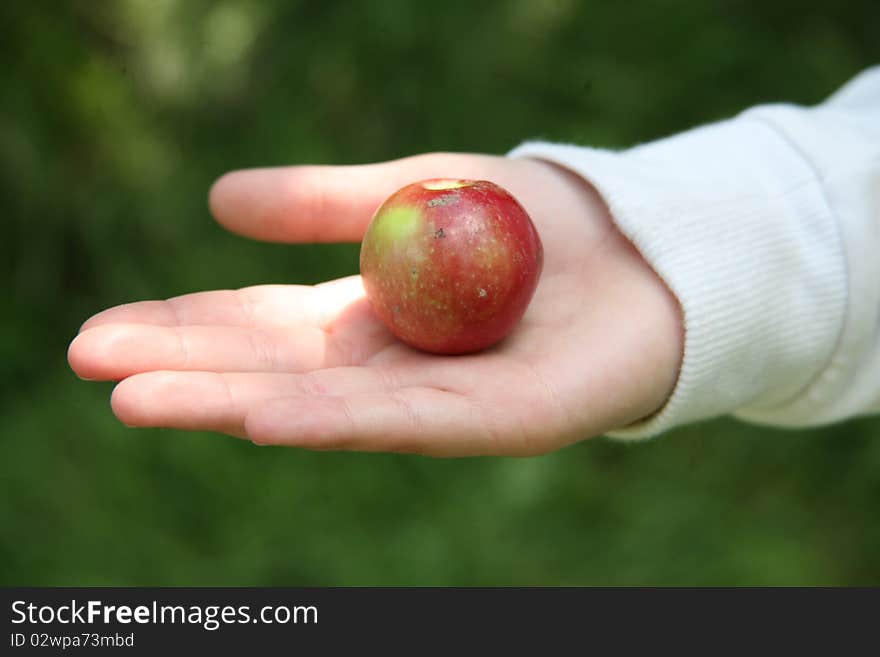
(311, 366)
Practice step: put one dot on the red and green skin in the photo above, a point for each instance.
(450, 266)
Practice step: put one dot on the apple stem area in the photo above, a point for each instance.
(443, 184)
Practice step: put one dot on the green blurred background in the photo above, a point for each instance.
(115, 117)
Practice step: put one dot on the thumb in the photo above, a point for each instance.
(326, 203)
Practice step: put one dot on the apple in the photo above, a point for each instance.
(450, 266)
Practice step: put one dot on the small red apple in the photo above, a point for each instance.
(450, 266)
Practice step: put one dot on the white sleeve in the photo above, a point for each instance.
(767, 229)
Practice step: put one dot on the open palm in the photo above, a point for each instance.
(311, 366)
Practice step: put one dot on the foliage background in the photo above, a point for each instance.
(115, 117)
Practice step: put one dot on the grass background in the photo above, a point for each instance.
(115, 117)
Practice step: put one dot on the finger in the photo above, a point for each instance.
(418, 420)
(198, 401)
(212, 401)
(327, 203)
(116, 351)
(259, 306)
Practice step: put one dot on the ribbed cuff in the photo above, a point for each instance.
(735, 223)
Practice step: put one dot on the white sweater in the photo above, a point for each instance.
(767, 228)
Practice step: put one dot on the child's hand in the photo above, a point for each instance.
(598, 348)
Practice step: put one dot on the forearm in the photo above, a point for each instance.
(766, 227)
